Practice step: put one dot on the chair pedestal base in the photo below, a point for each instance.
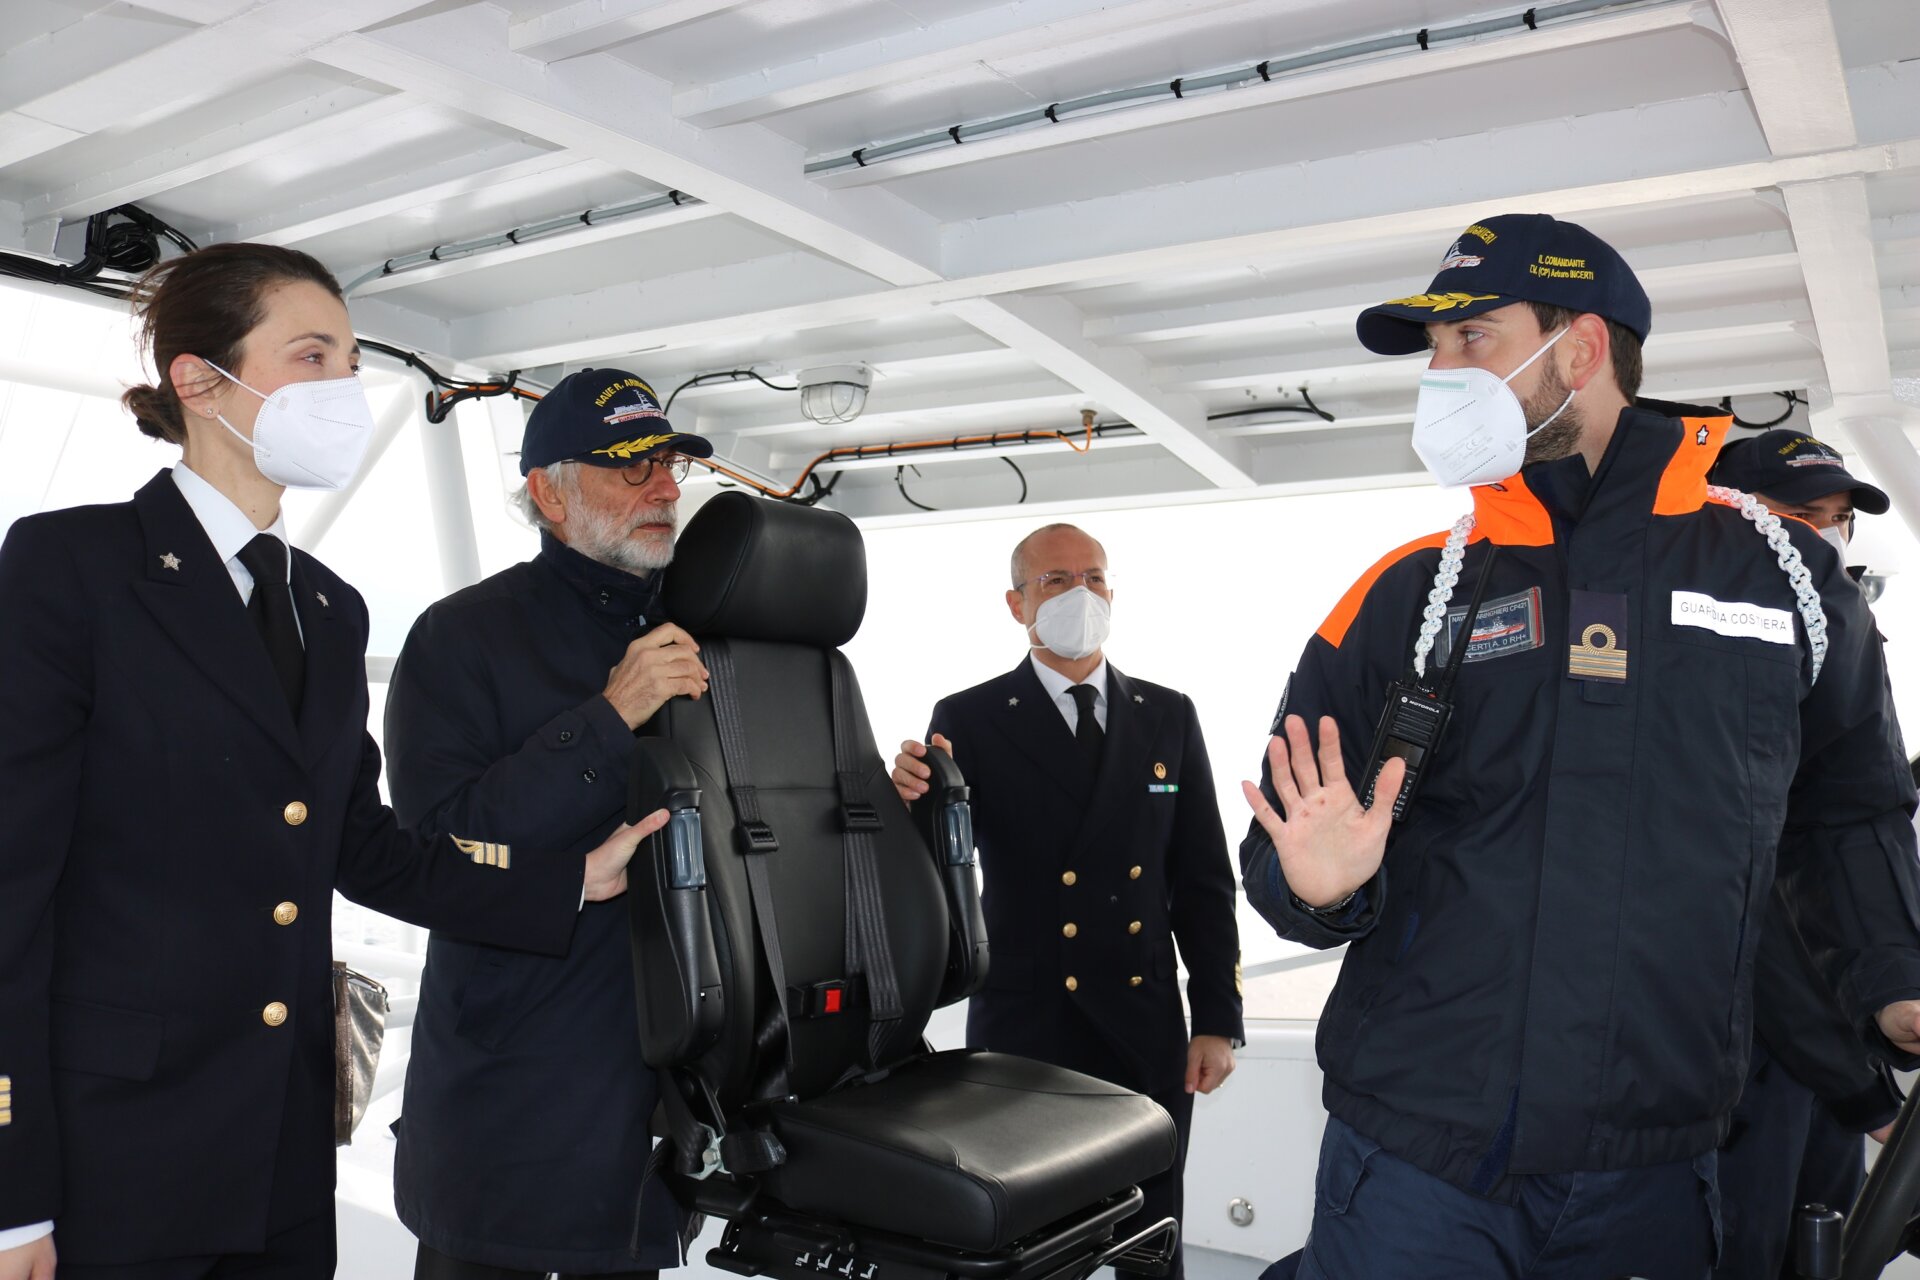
(768, 1240)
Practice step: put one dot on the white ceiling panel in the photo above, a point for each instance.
(674, 250)
(1175, 262)
(1444, 105)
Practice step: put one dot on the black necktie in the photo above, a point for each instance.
(1088, 732)
(271, 607)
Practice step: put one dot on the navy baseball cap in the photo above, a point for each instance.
(604, 418)
(1791, 467)
(1516, 257)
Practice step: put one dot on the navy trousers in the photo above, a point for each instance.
(1376, 1217)
(1786, 1150)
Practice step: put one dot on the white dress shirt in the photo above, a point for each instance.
(1058, 687)
(229, 529)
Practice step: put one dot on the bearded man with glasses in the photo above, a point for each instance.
(523, 1139)
(1100, 841)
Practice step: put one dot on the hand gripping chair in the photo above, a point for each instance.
(794, 926)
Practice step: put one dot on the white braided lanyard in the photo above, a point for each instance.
(1444, 581)
(1454, 552)
(1790, 563)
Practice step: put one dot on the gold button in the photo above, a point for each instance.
(285, 913)
(1070, 929)
(1135, 981)
(1134, 927)
(274, 1014)
(1073, 983)
(295, 814)
(1134, 874)
(1067, 878)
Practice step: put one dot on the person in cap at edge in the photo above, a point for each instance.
(1797, 475)
(1813, 1084)
(524, 1132)
(1541, 1023)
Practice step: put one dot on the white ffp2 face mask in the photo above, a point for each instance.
(1469, 427)
(1837, 540)
(1074, 624)
(308, 435)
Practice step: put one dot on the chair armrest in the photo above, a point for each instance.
(945, 819)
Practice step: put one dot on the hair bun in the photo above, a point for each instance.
(155, 413)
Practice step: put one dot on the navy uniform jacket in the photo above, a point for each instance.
(1133, 858)
(1552, 969)
(170, 841)
(523, 1136)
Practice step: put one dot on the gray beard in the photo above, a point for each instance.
(601, 536)
(1560, 440)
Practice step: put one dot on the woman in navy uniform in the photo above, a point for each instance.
(188, 779)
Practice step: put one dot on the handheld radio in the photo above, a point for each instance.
(1416, 717)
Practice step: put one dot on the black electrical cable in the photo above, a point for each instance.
(1308, 406)
(732, 375)
(129, 246)
(1791, 397)
(1023, 479)
(902, 484)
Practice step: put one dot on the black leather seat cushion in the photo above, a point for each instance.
(967, 1149)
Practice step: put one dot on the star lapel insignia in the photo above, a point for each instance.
(1138, 698)
(1013, 702)
(170, 561)
(322, 599)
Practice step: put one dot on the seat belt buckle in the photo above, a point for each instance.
(755, 837)
(821, 1000)
(858, 815)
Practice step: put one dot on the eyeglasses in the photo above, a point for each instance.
(641, 472)
(1054, 581)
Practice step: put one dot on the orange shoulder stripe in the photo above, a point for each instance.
(1683, 485)
(1334, 629)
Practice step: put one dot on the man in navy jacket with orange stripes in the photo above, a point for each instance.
(1543, 1019)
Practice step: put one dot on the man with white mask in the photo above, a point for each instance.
(1101, 847)
(1598, 714)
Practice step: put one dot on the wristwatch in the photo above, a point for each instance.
(1328, 912)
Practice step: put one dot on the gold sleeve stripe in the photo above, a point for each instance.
(484, 852)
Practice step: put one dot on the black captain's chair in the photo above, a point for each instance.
(821, 1126)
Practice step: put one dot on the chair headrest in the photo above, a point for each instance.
(754, 569)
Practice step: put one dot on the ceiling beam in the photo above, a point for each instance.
(603, 107)
(1051, 333)
(1293, 87)
(1280, 309)
(35, 69)
(1788, 323)
(1371, 209)
(1795, 76)
(197, 67)
(1798, 83)
(599, 324)
(489, 170)
(587, 25)
(933, 52)
(148, 173)
(1832, 223)
(555, 242)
